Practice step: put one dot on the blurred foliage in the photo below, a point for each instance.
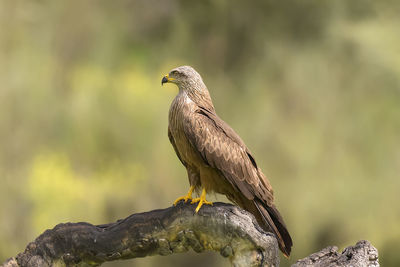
(313, 87)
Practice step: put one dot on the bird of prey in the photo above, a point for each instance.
(216, 158)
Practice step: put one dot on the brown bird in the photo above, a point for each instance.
(216, 158)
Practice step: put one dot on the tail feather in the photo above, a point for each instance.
(273, 218)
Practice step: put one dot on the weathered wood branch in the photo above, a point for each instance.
(224, 228)
(360, 255)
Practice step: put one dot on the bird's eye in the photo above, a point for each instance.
(174, 72)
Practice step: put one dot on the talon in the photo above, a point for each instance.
(185, 198)
(195, 200)
(202, 200)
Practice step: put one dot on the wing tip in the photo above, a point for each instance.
(276, 224)
(286, 250)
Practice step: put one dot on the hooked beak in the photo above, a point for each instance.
(166, 79)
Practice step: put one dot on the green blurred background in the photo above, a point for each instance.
(313, 88)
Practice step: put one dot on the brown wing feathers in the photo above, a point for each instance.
(221, 148)
(219, 151)
(273, 218)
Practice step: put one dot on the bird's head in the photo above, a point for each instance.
(185, 77)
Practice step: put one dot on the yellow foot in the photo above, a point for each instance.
(185, 198)
(202, 200)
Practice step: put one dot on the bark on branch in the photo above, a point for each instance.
(360, 255)
(224, 228)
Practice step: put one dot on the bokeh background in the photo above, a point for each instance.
(313, 88)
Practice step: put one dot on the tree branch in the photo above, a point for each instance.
(225, 228)
(359, 255)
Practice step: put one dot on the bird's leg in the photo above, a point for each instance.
(185, 198)
(202, 200)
